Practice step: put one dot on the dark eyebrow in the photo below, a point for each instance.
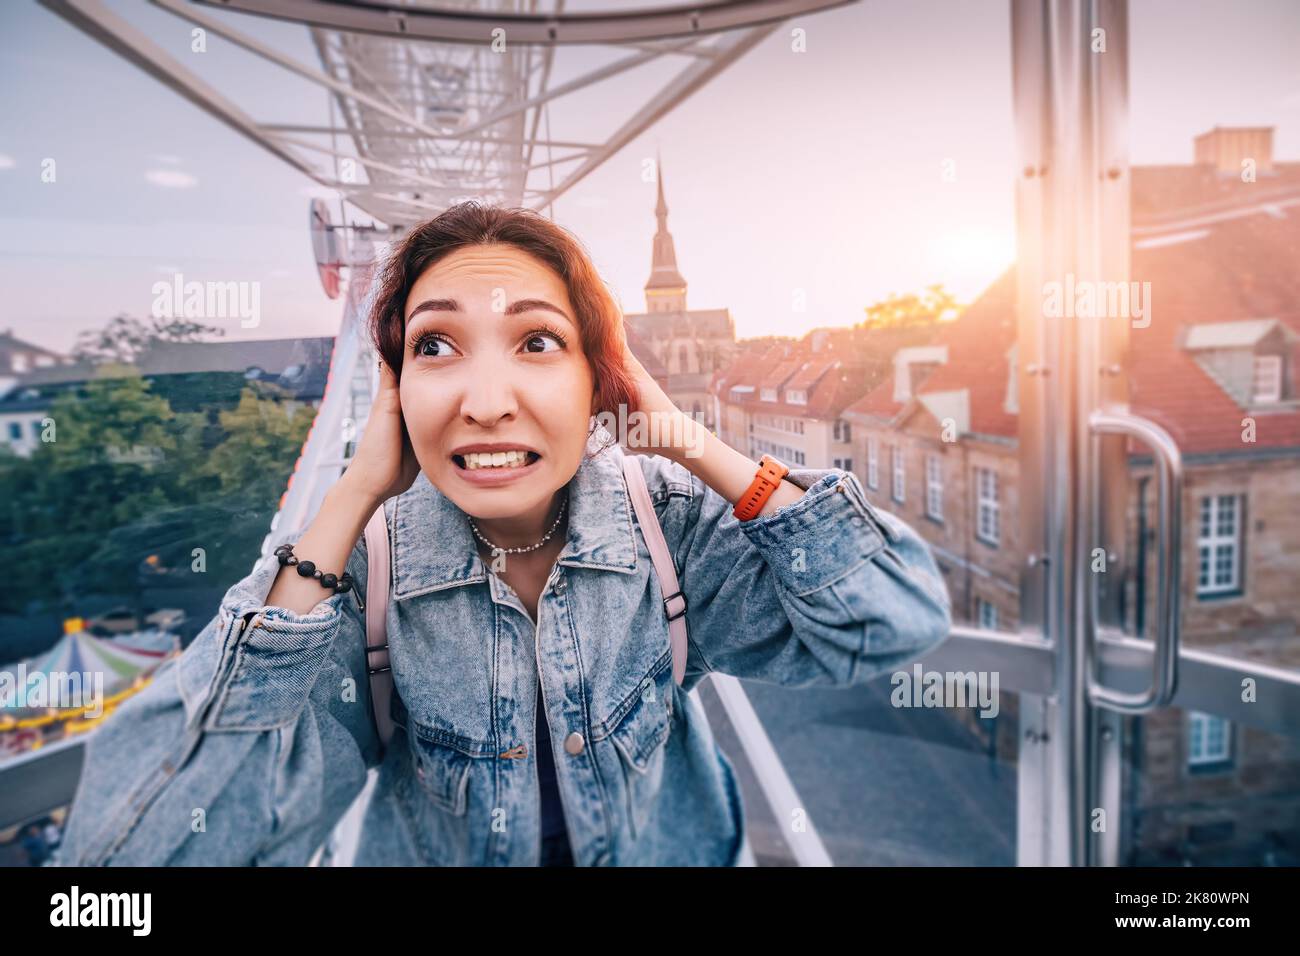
(523, 305)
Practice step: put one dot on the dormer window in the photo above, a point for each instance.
(1267, 385)
(1246, 358)
(768, 395)
(796, 396)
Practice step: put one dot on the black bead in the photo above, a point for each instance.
(306, 568)
(329, 580)
(284, 557)
(345, 585)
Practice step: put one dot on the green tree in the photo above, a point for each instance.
(933, 305)
(261, 439)
(127, 478)
(124, 338)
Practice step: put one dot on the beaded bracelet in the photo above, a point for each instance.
(337, 583)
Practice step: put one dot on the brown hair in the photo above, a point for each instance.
(599, 319)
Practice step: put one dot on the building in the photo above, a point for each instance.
(1216, 366)
(18, 357)
(296, 369)
(786, 397)
(691, 345)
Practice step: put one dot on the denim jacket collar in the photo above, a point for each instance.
(433, 547)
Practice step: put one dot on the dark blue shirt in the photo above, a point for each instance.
(552, 812)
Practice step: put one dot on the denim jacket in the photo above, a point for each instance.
(248, 747)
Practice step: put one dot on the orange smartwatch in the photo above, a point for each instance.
(769, 475)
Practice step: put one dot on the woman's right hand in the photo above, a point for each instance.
(384, 464)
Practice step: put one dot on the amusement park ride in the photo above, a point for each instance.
(429, 104)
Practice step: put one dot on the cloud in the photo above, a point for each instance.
(171, 179)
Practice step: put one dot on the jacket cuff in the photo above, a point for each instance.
(256, 665)
(825, 535)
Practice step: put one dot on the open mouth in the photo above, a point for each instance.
(495, 461)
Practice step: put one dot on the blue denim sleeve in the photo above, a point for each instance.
(826, 590)
(243, 750)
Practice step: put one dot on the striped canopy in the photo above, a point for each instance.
(121, 659)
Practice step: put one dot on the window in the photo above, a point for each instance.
(845, 463)
(933, 488)
(1267, 386)
(1207, 738)
(796, 396)
(15, 431)
(897, 479)
(682, 365)
(768, 394)
(841, 431)
(986, 614)
(873, 463)
(1218, 546)
(988, 517)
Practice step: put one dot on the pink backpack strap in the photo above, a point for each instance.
(377, 586)
(663, 562)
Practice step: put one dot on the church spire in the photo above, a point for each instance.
(665, 291)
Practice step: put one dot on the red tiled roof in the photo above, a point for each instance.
(1246, 268)
(879, 402)
(1224, 270)
(978, 343)
(811, 373)
(1161, 193)
(750, 368)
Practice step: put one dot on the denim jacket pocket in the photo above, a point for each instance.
(441, 769)
(640, 737)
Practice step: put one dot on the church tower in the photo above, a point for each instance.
(665, 291)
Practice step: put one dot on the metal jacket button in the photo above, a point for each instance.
(574, 743)
(559, 583)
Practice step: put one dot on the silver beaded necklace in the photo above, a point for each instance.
(532, 547)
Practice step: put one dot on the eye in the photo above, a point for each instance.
(538, 338)
(427, 345)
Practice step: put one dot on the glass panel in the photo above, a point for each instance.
(1215, 201)
(888, 291)
(1225, 313)
(927, 394)
(1201, 791)
(876, 779)
(149, 429)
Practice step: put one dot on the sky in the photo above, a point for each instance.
(802, 186)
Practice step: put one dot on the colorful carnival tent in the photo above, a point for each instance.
(125, 662)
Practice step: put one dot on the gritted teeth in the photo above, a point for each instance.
(516, 458)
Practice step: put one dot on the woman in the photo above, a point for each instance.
(538, 718)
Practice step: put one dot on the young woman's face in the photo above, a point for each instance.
(493, 356)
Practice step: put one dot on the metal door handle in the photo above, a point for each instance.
(1169, 464)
